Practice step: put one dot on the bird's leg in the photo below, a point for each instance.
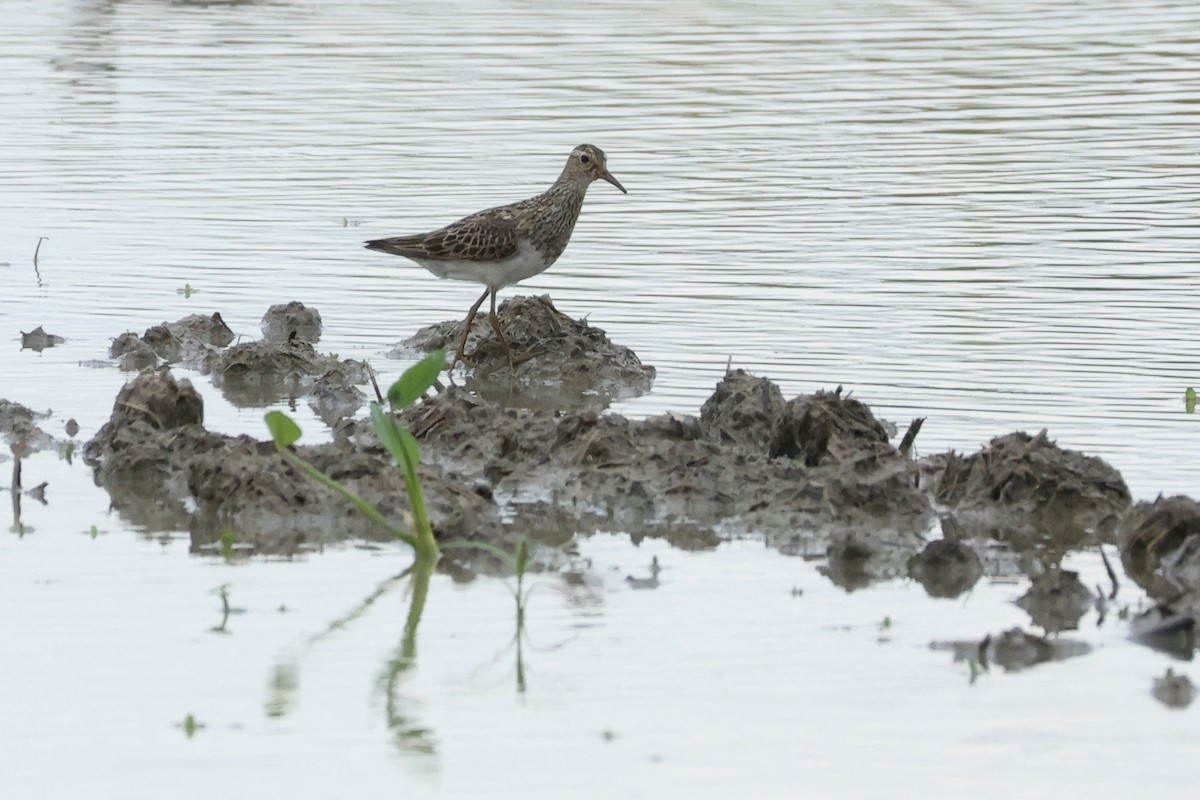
(462, 345)
(496, 327)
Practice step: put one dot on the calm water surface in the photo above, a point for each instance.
(980, 212)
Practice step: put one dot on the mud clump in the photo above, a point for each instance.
(141, 453)
(827, 425)
(745, 410)
(18, 425)
(1031, 493)
(260, 373)
(563, 362)
(715, 472)
(294, 320)
(1160, 547)
(1173, 691)
(191, 341)
(1160, 550)
(38, 340)
(164, 470)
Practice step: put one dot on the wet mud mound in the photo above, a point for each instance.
(165, 471)
(262, 372)
(191, 341)
(283, 365)
(19, 427)
(1160, 547)
(562, 361)
(816, 475)
(292, 321)
(1031, 493)
(717, 472)
(38, 340)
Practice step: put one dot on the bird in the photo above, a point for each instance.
(501, 246)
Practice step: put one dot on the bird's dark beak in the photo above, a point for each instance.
(608, 176)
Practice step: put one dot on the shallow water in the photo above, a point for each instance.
(979, 212)
(744, 673)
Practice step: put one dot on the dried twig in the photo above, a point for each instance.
(375, 383)
(1112, 574)
(910, 436)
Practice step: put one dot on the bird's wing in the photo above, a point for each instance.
(486, 236)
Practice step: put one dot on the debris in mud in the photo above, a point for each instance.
(946, 569)
(191, 341)
(38, 340)
(1014, 650)
(1174, 691)
(294, 320)
(564, 362)
(1057, 600)
(1028, 491)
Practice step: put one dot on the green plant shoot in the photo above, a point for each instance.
(398, 441)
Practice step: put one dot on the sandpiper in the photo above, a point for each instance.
(503, 245)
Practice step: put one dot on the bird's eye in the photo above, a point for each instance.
(585, 158)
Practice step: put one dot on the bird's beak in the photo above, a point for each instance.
(608, 176)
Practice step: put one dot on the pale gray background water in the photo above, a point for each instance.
(980, 212)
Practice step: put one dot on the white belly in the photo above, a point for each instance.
(526, 263)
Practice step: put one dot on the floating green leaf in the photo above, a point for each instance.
(1189, 400)
(416, 380)
(283, 430)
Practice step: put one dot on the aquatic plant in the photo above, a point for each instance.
(400, 443)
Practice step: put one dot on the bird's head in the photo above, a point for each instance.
(588, 163)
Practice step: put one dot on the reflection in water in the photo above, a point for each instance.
(1013, 651)
(410, 735)
(89, 51)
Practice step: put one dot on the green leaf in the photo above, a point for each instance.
(410, 445)
(399, 442)
(1189, 400)
(285, 432)
(416, 380)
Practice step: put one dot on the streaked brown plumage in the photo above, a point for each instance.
(507, 244)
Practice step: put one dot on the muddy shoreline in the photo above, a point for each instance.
(533, 453)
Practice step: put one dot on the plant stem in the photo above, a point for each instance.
(427, 546)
